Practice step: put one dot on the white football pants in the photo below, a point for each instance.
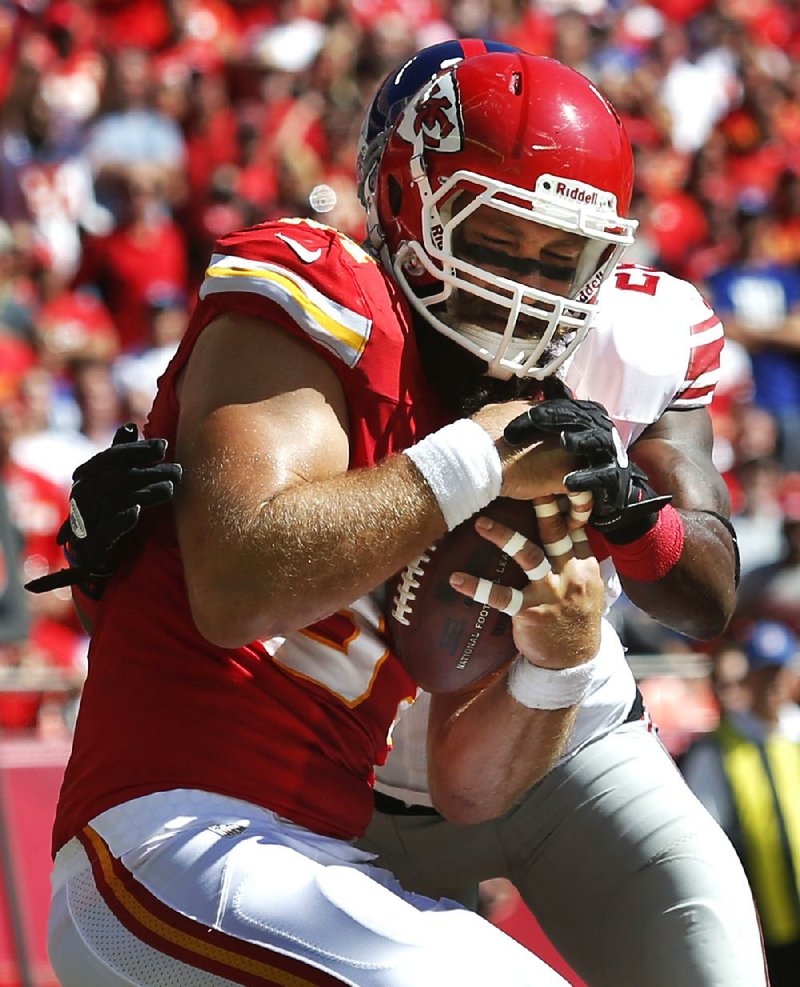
(192, 889)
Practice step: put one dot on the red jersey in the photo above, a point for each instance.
(295, 724)
(132, 267)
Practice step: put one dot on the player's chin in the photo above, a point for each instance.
(466, 313)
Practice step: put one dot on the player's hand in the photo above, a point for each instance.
(534, 468)
(584, 427)
(625, 505)
(556, 617)
(107, 496)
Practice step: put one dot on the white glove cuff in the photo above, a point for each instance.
(549, 688)
(461, 465)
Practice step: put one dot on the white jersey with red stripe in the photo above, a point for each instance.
(655, 346)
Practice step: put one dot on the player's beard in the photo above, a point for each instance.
(459, 376)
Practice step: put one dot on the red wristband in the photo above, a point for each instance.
(651, 557)
(601, 549)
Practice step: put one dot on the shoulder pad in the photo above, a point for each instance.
(325, 282)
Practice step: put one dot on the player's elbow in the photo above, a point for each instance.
(224, 615)
(711, 613)
(712, 625)
(216, 623)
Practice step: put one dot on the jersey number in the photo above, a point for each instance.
(635, 277)
(342, 653)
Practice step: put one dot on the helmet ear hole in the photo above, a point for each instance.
(395, 192)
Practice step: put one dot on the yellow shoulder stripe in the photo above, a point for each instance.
(329, 323)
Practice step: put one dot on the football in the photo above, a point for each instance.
(445, 640)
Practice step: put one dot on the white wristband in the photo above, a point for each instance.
(549, 688)
(461, 465)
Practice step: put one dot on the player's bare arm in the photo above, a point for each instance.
(263, 440)
(486, 750)
(485, 747)
(697, 596)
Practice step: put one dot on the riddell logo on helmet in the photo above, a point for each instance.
(577, 193)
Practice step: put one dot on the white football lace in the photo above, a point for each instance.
(409, 581)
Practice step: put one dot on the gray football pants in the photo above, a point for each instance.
(629, 876)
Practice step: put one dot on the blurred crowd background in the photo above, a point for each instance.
(133, 132)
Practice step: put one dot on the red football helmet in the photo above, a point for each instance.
(535, 141)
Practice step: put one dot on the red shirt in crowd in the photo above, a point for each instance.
(132, 266)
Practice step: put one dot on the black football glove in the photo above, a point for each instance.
(625, 505)
(107, 496)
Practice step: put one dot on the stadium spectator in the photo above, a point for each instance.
(212, 128)
(676, 223)
(74, 74)
(89, 413)
(16, 304)
(144, 255)
(45, 179)
(98, 400)
(760, 303)
(143, 24)
(745, 774)
(781, 238)
(684, 73)
(131, 133)
(136, 374)
(758, 518)
(18, 709)
(55, 641)
(772, 591)
(74, 325)
(17, 359)
(727, 675)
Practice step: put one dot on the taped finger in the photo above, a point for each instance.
(583, 550)
(540, 571)
(560, 547)
(514, 605)
(515, 544)
(483, 592)
(580, 506)
(548, 509)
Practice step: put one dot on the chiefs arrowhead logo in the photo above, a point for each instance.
(434, 119)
